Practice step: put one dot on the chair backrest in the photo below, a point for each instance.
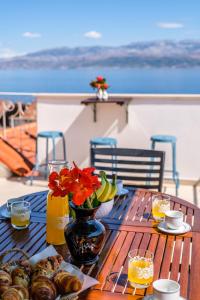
(138, 168)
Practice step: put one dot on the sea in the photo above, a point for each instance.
(120, 80)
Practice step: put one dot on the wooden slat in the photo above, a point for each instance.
(185, 269)
(96, 294)
(165, 269)
(111, 259)
(194, 292)
(176, 259)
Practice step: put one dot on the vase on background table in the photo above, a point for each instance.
(102, 95)
(84, 236)
(105, 95)
(57, 211)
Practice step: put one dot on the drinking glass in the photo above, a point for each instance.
(11, 201)
(20, 214)
(140, 268)
(160, 204)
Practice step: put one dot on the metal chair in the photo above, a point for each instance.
(137, 168)
(172, 140)
(48, 135)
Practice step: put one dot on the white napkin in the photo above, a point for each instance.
(87, 280)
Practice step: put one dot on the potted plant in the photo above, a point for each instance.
(101, 85)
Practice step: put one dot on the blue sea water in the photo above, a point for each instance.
(144, 80)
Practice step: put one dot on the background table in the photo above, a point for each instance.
(128, 226)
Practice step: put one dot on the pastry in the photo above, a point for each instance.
(66, 282)
(5, 281)
(47, 267)
(20, 277)
(15, 292)
(51, 263)
(43, 289)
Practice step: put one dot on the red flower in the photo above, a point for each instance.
(81, 183)
(105, 86)
(100, 78)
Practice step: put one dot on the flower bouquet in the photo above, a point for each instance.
(101, 85)
(83, 188)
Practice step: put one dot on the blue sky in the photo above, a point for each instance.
(31, 25)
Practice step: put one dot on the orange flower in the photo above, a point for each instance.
(81, 183)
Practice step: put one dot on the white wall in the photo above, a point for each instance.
(177, 115)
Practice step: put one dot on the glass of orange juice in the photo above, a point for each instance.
(140, 268)
(160, 204)
(20, 214)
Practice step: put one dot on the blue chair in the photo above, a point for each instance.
(103, 141)
(172, 140)
(49, 135)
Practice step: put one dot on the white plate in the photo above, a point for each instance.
(123, 192)
(183, 229)
(5, 213)
(151, 297)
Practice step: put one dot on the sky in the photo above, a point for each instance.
(31, 25)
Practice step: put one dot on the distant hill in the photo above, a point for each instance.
(166, 53)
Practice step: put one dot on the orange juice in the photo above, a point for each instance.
(57, 218)
(20, 221)
(159, 207)
(140, 272)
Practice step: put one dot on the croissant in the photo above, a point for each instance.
(51, 263)
(43, 289)
(5, 281)
(41, 272)
(15, 292)
(66, 282)
(47, 267)
(20, 277)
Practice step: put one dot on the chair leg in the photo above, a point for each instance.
(47, 158)
(64, 148)
(153, 144)
(174, 172)
(174, 160)
(36, 163)
(54, 148)
(114, 165)
(195, 191)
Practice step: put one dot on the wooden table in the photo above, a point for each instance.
(129, 226)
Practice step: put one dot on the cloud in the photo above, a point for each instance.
(31, 35)
(7, 53)
(170, 25)
(93, 35)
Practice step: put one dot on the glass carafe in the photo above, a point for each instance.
(57, 210)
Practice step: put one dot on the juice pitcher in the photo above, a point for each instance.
(57, 208)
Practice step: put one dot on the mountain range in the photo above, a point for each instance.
(165, 53)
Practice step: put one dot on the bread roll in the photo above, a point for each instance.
(43, 289)
(5, 281)
(16, 293)
(67, 283)
(20, 277)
